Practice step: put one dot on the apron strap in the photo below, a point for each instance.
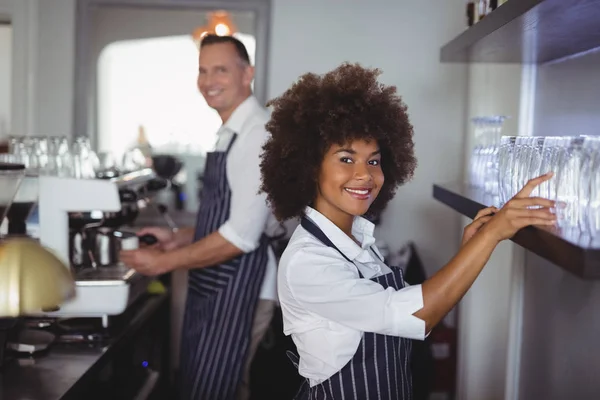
(231, 142)
(376, 254)
(293, 358)
(303, 389)
(314, 230)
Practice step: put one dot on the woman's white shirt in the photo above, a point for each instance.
(326, 306)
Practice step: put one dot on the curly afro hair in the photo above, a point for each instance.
(339, 107)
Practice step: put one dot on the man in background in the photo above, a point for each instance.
(232, 270)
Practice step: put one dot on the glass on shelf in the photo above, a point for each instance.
(568, 179)
(591, 147)
(575, 161)
(54, 156)
(484, 167)
(593, 206)
(505, 162)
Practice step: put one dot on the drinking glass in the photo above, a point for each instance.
(60, 162)
(493, 131)
(85, 160)
(505, 161)
(535, 148)
(567, 182)
(593, 209)
(477, 152)
(515, 183)
(591, 145)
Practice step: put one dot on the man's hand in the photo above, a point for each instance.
(211, 250)
(167, 238)
(148, 261)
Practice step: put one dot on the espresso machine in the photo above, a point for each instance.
(76, 216)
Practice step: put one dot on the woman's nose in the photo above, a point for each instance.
(361, 171)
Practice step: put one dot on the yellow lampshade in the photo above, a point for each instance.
(219, 23)
(31, 278)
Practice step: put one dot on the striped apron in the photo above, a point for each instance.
(221, 300)
(380, 368)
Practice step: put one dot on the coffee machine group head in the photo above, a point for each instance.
(60, 196)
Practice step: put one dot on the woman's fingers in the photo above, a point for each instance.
(527, 221)
(532, 184)
(531, 202)
(485, 211)
(544, 213)
(479, 222)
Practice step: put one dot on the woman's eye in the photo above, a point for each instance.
(374, 162)
(346, 160)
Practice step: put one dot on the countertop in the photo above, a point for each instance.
(66, 369)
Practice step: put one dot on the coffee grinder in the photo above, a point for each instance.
(24, 201)
(11, 176)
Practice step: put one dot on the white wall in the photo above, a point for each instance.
(55, 68)
(43, 65)
(23, 16)
(5, 78)
(402, 38)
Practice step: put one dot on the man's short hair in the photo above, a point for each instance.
(216, 39)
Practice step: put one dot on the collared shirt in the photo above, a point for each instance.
(327, 306)
(249, 213)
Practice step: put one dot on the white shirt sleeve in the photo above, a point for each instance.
(248, 210)
(323, 283)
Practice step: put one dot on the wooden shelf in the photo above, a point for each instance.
(576, 255)
(529, 32)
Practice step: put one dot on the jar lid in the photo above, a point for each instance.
(11, 166)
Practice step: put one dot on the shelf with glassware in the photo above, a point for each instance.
(527, 31)
(499, 169)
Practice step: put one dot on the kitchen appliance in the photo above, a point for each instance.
(31, 277)
(26, 196)
(167, 167)
(24, 201)
(93, 210)
(193, 166)
(11, 176)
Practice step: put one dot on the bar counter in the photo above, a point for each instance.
(133, 360)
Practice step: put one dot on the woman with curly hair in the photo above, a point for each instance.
(340, 145)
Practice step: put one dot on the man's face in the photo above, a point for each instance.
(223, 78)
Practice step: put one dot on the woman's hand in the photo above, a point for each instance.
(522, 211)
(446, 287)
(482, 217)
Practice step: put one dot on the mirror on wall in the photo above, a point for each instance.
(5, 78)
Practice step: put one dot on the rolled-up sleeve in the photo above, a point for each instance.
(248, 210)
(330, 287)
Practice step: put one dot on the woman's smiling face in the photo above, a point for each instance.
(350, 179)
